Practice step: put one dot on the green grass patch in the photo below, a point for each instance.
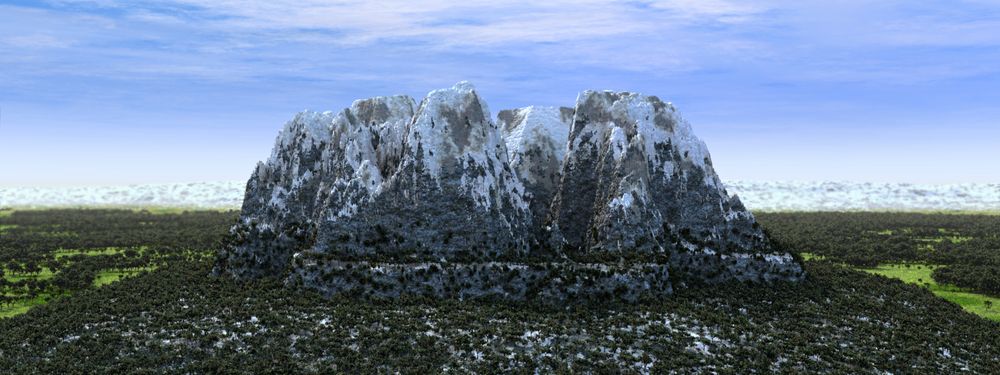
(90, 252)
(13, 277)
(974, 303)
(953, 239)
(106, 277)
(4, 228)
(6, 212)
(13, 292)
(811, 256)
(909, 273)
(920, 274)
(21, 306)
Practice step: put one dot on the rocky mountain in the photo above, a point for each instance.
(322, 166)
(637, 179)
(536, 147)
(387, 198)
(446, 192)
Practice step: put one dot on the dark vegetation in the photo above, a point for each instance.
(985, 279)
(968, 246)
(178, 319)
(56, 252)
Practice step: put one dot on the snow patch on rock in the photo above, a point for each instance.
(536, 126)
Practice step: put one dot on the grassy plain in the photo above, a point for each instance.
(18, 299)
(14, 277)
(91, 252)
(22, 306)
(920, 274)
(106, 277)
(839, 320)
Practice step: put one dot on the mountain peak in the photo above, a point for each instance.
(464, 86)
(449, 125)
(512, 208)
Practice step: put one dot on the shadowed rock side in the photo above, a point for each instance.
(378, 181)
(322, 165)
(453, 194)
(387, 198)
(636, 179)
(536, 146)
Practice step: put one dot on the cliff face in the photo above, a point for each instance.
(636, 179)
(448, 193)
(388, 198)
(536, 147)
(322, 167)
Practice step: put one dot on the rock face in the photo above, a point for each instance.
(448, 191)
(322, 167)
(536, 147)
(637, 180)
(613, 198)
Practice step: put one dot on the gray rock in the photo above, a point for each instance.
(536, 146)
(321, 164)
(452, 195)
(636, 179)
(555, 203)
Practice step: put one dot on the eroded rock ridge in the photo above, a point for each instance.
(614, 197)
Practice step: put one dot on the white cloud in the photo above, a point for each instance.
(467, 23)
(736, 63)
(851, 40)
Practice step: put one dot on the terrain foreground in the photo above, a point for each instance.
(177, 319)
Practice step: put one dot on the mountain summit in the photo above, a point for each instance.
(615, 197)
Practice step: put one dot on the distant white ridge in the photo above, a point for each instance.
(865, 196)
(756, 195)
(228, 194)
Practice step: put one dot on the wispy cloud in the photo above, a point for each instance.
(239, 40)
(474, 23)
(759, 64)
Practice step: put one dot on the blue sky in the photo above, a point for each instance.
(116, 92)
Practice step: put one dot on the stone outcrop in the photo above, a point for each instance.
(536, 147)
(449, 191)
(322, 167)
(637, 180)
(615, 197)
